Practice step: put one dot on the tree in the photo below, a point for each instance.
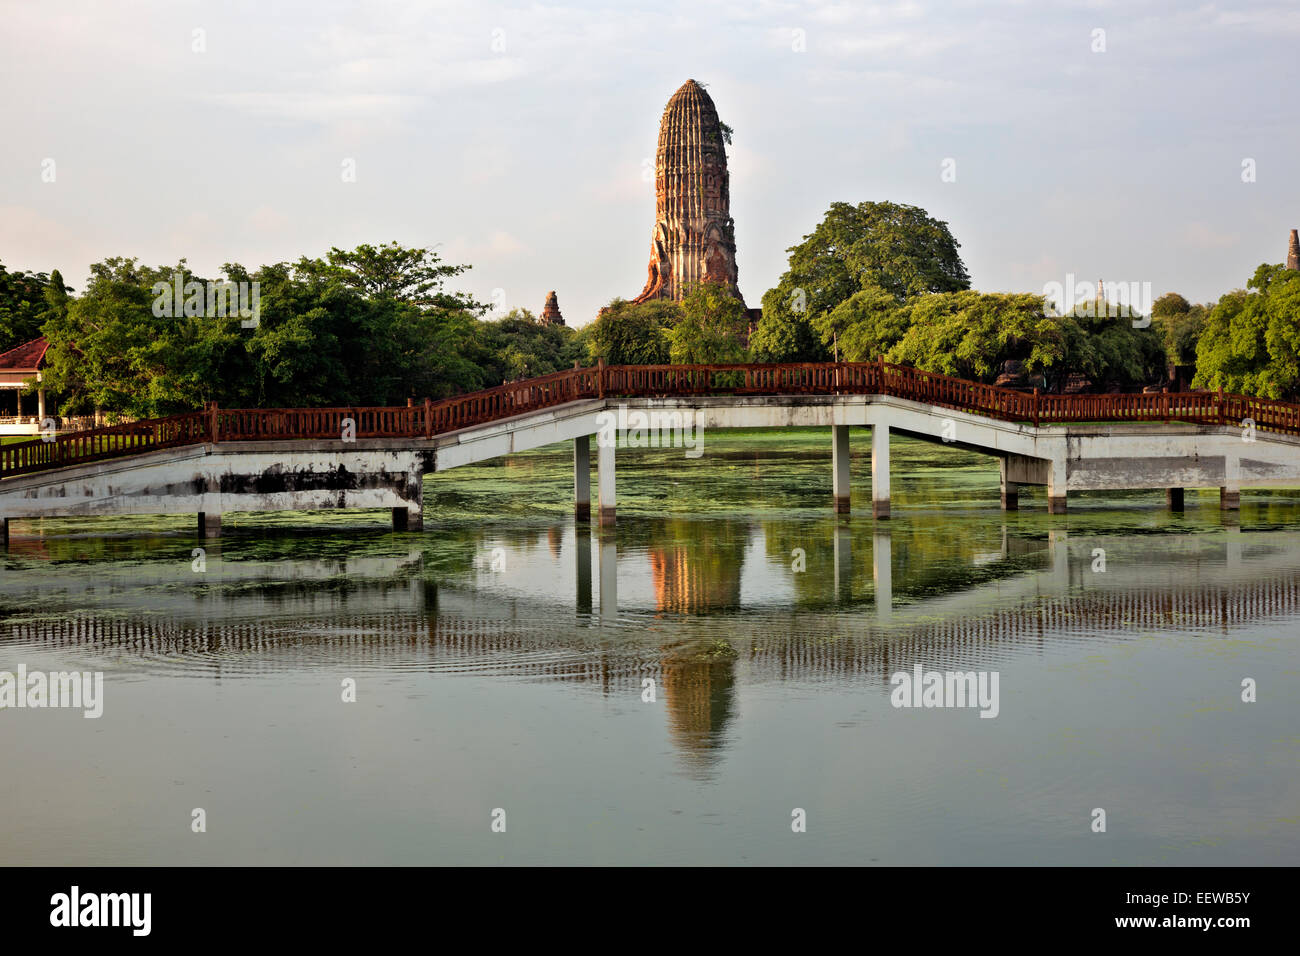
(370, 327)
(864, 326)
(1171, 303)
(389, 271)
(887, 246)
(100, 347)
(56, 298)
(783, 332)
(1250, 342)
(22, 302)
(518, 346)
(972, 334)
(625, 333)
(712, 328)
(1109, 351)
(897, 247)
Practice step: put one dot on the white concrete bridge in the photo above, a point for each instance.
(215, 462)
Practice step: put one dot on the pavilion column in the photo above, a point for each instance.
(880, 471)
(1010, 490)
(40, 404)
(210, 524)
(1056, 495)
(582, 478)
(1230, 491)
(605, 476)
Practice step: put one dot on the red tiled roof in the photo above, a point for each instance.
(26, 357)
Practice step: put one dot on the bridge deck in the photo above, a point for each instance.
(431, 418)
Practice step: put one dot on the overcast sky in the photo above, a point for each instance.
(514, 136)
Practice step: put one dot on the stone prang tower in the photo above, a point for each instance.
(1293, 251)
(551, 311)
(694, 239)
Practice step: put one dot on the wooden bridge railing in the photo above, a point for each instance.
(516, 398)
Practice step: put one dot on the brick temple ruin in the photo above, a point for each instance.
(694, 238)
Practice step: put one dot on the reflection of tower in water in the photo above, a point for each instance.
(685, 583)
(699, 574)
(700, 695)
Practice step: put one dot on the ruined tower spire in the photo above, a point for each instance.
(1293, 251)
(694, 238)
(551, 311)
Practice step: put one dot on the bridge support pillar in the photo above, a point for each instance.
(1174, 499)
(408, 519)
(1230, 493)
(880, 471)
(582, 478)
(605, 476)
(840, 467)
(1056, 487)
(1010, 490)
(209, 524)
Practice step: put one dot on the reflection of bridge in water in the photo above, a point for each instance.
(260, 623)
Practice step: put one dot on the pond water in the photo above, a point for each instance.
(711, 681)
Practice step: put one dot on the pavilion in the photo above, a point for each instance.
(18, 366)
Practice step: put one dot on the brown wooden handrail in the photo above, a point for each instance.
(431, 418)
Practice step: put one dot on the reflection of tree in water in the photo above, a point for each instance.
(699, 683)
(696, 565)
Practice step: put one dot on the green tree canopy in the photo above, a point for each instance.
(1171, 303)
(711, 329)
(633, 334)
(874, 245)
(1250, 342)
(518, 346)
(372, 327)
(972, 335)
(22, 305)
